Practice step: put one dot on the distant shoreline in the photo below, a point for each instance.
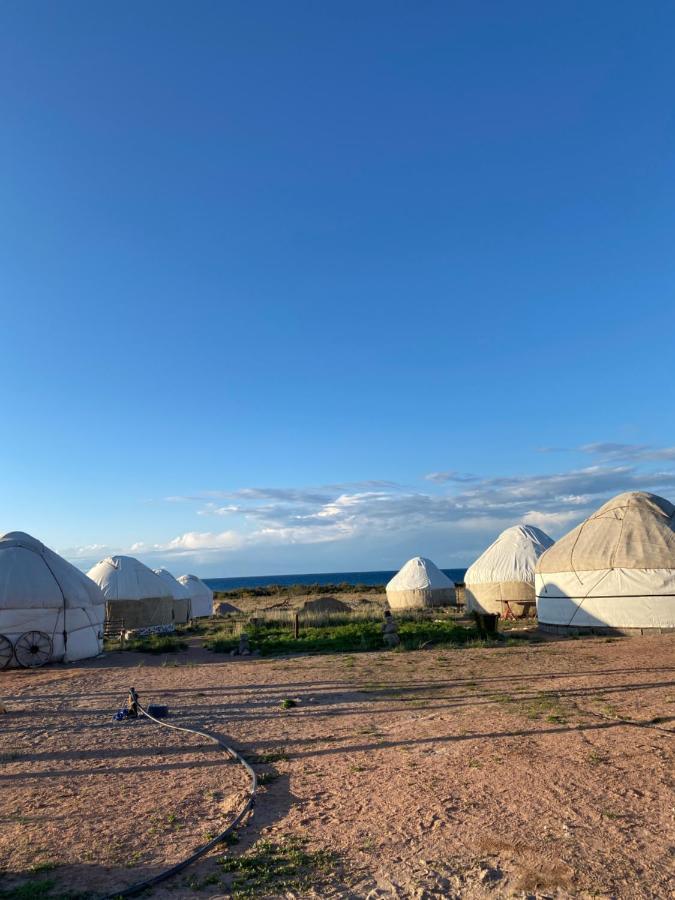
(372, 579)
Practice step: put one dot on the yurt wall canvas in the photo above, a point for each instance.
(133, 592)
(614, 572)
(180, 594)
(200, 594)
(419, 584)
(41, 591)
(501, 580)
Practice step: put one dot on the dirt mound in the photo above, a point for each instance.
(326, 604)
(223, 609)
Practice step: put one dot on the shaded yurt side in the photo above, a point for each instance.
(420, 584)
(201, 595)
(133, 592)
(180, 594)
(42, 592)
(614, 572)
(501, 580)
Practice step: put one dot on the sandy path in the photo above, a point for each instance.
(473, 773)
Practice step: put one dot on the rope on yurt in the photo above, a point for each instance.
(219, 838)
(611, 565)
(65, 631)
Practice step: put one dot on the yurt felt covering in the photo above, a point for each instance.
(614, 571)
(501, 580)
(41, 591)
(419, 584)
(180, 595)
(201, 595)
(133, 592)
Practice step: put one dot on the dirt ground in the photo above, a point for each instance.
(259, 604)
(437, 773)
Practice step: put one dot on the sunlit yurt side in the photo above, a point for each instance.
(42, 592)
(201, 595)
(419, 584)
(133, 592)
(180, 594)
(501, 580)
(614, 572)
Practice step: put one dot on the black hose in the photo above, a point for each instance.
(200, 851)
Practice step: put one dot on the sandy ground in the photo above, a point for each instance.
(456, 773)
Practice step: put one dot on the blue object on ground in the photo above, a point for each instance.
(120, 715)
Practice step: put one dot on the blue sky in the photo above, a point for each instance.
(266, 267)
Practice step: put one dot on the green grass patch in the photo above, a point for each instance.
(44, 889)
(156, 643)
(280, 868)
(276, 638)
(31, 890)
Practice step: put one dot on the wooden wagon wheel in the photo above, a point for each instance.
(6, 651)
(33, 648)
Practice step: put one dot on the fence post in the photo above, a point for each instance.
(296, 626)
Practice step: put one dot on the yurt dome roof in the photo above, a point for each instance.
(635, 530)
(195, 586)
(178, 590)
(33, 576)
(419, 573)
(511, 557)
(127, 578)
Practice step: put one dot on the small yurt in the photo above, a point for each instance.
(419, 584)
(49, 610)
(501, 580)
(133, 592)
(180, 594)
(614, 572)
(200, 594)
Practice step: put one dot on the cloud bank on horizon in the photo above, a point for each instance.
(376, 524)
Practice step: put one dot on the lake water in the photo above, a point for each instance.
(370, 578)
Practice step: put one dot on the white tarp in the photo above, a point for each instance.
(178, 590)
(133, 592)
(200, 594)
(420, 584)
(615, 570)
(512, 557)
(41, 591)
(127, 578)
(420, 573)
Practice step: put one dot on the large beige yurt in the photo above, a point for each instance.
(49, 610)
(201, 595)
(180, 594)
(133, 592)
(420, 583)
(614, 572)
(501, 580)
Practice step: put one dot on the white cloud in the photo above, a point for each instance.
(451, 475)
(388, 514)
(611, 451)
(201, 540)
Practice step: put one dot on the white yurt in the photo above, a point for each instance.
(201, 595)
(614, 572)
(180, 594)
(501, 580)
(420, 583)
(49, 610)
(133, 592)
